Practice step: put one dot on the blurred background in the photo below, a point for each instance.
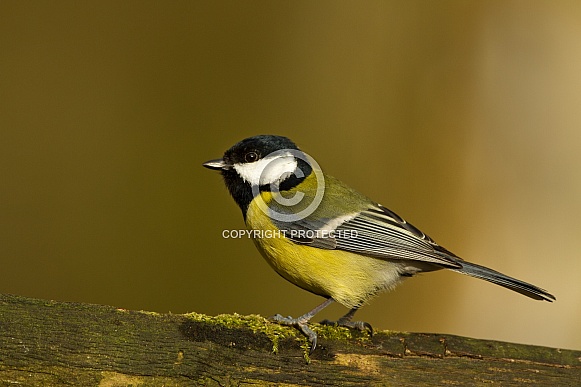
(464, 117)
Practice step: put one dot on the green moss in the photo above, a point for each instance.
(148, 313)
(256, 323)
(275, 332)
(335, 333)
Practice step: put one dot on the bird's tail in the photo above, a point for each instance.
(495, 277)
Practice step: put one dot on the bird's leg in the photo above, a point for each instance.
(301, 322)
(345, 321)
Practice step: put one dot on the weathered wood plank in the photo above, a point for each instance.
(58, 343)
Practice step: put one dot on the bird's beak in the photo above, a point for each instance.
(216, 164)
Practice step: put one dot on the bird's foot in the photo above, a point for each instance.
(344, 322)
(301, 324)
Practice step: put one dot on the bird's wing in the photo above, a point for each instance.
(376, 232)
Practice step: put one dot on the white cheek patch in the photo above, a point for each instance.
(269, 170)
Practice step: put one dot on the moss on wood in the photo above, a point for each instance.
(58, 343)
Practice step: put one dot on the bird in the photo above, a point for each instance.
(329, 239)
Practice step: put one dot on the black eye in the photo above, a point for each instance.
(251, 157)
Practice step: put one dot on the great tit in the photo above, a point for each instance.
(329, 239)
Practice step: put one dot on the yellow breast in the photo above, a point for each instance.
(351, 279)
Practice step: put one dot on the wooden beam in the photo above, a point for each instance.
(49, 343)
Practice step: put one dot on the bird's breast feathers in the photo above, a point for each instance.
(351, 279)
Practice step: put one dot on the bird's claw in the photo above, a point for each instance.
(359, 325)
(301, 325)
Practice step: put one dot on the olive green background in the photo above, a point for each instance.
(462, 116)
